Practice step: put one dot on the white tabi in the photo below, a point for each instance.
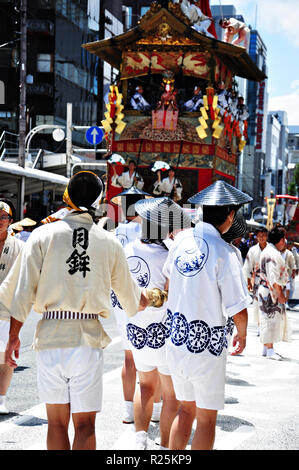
(147, 333)
(10, 251)
(251, 270)
(206, 289)
(126, 181)
(165, 187)
(274, 325)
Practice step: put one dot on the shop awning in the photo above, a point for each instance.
(46, 176)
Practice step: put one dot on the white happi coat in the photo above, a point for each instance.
(126, 181)
(10, 251)
(251, 269)
(199, 21)
(128, 232)
(165, 187)
(69, 266)
(150, 328)
(206, 289)
(274, 323)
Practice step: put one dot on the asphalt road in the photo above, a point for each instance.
(261, 407)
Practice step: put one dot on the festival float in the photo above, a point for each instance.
(175, 99)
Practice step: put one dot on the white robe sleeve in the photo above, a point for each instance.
(276, 271)
(18, 290)
(232, 285)
(115, 181)
(157, 188)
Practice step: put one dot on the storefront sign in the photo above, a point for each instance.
(260, 117)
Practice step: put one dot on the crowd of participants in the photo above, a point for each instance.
(270, 256)
(178, 286)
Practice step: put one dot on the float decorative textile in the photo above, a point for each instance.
(136, 63)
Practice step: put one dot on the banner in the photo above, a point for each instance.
(132, 146)
(136, 63)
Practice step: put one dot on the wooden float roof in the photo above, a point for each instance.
(162, 29)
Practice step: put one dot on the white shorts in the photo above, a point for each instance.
(142, 367)
(4, 335)
(198, 379)
(71, 375)
(124, 337)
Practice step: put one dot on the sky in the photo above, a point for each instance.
(277, 23)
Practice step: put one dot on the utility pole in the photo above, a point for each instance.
(69, 145)
(22, 110)
(23, 73)
(100, 68)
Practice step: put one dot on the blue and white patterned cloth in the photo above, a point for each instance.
(206, 289)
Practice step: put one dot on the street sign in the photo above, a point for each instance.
(94, 135)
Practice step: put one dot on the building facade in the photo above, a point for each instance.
(257, 102)
(58, 69)
(293, 149)
(272, 157)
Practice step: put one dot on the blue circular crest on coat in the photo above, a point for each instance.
(136, 335)
(140, 270)
(218, 340)
(192, 259)
(122, 238)
(155, 335)
(199, 336)
(179, 329)
(167, 323)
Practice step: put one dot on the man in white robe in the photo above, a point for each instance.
(199, 21)
(66, 271)
(10, 248)
(128, 178)
(138, 102)
(169, 186)
(271, 294)
(251, 270)
(207, 296)
(235, 27)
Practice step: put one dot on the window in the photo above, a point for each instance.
(2, 93)
(128, 16)
(44, 63)
(143, 10)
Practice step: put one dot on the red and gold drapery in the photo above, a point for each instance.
(136, 63)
